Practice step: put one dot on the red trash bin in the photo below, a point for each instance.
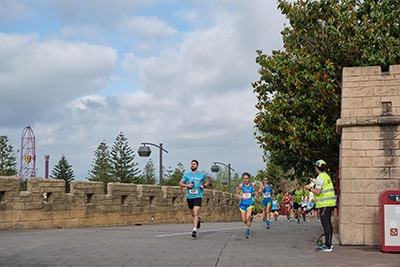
(389, 218)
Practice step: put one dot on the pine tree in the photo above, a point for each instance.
(7, 158)
(101, 166)
(149, 173)
(122, 156)
(63, 171)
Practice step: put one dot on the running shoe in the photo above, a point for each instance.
(248, 236)
(267, 226)
(324, 244)
(308, 220)
(263, 219)
(298, 220)
(199, 223)
(324, 248)
(194, 233)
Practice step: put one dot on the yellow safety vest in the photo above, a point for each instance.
(327, 196)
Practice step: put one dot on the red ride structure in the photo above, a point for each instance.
(28, 154)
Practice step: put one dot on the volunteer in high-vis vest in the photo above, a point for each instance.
(324, 195)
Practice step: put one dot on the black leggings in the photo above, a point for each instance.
(325, 215)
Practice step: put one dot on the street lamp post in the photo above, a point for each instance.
(215, 168)
(145, 151)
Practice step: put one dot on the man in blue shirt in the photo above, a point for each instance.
(193, 181)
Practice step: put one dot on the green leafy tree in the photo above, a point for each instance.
(101, 166)
(63, 170)
(149, 173)
(176, 176)
(299, 89)
(8, 161)
(122, 156)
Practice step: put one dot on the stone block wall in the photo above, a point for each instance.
(369, 149)
(87, 205)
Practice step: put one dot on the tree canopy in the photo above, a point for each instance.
(122, 156)
(8, 161)
(101, 165)
(63, 170)
(173, 178)
(299, 89)
(149, 173)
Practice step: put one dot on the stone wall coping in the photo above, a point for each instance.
(366, 121)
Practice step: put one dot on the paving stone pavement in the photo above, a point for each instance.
(218, 244)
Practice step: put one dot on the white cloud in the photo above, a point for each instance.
(194, 94)
(44, 74)
(10, 10)
(150, 28)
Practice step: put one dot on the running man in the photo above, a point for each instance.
(297, 194)
(193, 181)
(275, 207)
(247, 191)
(267, 191)
(310, 207)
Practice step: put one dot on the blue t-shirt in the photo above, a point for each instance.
(197, 179)
(274, 204)
(268, 192)
(247, 194)
(310, 205)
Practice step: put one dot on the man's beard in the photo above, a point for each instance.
(193, 168)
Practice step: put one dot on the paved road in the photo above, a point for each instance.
(218, 244)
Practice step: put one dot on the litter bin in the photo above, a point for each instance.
(389, 213)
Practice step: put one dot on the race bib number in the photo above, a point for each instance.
(267, 195)
(193, 192)
(246, 196)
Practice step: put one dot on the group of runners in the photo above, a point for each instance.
(296, 204)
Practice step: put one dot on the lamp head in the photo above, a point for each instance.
(215, 168)
(144, 151)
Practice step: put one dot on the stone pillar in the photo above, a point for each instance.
(369, 149)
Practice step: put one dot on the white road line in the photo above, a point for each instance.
(203, 231)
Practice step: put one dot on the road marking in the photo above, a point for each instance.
(203, 231)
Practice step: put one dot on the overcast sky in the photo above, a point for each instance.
(172, 72)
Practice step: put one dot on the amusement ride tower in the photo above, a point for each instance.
(28, 154)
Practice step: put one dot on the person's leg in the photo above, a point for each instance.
(264, 210)
(325, 215)
(243, 213)
(287, 211)
(195, 214)
(268, 208)
(298, 213)
(248, 221)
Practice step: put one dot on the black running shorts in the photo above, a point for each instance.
(194, 202)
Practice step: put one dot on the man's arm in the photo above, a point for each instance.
(238, 190)
(206, 183)
(183, 184)
(261, 188)
(255, 187)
